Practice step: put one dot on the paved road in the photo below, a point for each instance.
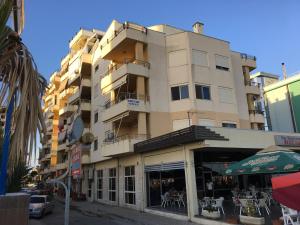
(78, 218)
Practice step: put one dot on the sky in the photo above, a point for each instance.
(268, 29)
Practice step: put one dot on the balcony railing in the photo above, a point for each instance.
(246, 56)
(252, 83)
(125, 26)
(256, 111)
(111, 138)
(123, 96)
(126, 61)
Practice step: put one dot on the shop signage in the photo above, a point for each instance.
(287, 140)
(76, 161)
(133, 102)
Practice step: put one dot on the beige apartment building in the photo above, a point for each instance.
(168, 109)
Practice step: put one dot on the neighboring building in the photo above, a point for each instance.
(263, 79)
(161, 103)
(283, 104)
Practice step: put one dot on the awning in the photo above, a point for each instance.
(114, 85)
(118, 117)
(63, 85)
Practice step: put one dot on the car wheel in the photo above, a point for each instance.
(43, 213)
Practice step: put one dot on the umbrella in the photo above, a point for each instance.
(286, 190)
(273, 159)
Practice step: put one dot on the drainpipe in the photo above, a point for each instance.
(188, 200)
(118, 168)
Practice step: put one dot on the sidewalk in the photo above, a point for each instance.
(130, 215)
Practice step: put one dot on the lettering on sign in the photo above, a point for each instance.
(133, 102)
(287, 140)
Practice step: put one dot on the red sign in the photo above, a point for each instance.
(76, 160)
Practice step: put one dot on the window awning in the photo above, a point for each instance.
(118, 117)
(165, 166)
(114, 85)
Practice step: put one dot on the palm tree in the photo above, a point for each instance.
(22, 86)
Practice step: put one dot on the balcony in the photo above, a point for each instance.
(126, 102)
(61, 166)
(86, 82)
(67, 110)
(252, 88)
(256, 116)
(85, 105)
(248, 60)
(62, 146)
(85, 158)
(49, 125)
(121, 145)
(133, 66)
(74, 78)
(74, 97)
(123, 38)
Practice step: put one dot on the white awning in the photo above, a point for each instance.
(117, 117)
(114, 85)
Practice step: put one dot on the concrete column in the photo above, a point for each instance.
(246, 74)
(250, 102)
(139, 51)
(142, 124)
(112, 95)
(140, 88)
(191, 186)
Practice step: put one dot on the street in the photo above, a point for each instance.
(78, 218)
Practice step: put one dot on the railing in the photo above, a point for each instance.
(123, 96)
(125, 26)
(113, 139)
(126, 61)
(252, 83)
(256, 111)
(246, 56)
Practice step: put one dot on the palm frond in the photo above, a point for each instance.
(19, 77)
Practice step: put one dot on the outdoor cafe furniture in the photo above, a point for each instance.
(290, 216)
(218, 203)
(258, 204)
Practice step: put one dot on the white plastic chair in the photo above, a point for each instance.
(165, 200)
(180, 200)
(290, 216)
(218, 203)
(262, 204)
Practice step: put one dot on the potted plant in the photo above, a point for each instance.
(211, 212)
(250, 215)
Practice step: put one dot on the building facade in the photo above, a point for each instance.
(161, 103)
(283, 104)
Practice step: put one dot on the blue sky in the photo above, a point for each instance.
(268, 29)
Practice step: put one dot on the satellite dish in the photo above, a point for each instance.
(76, 130)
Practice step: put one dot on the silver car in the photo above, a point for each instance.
(40, 205)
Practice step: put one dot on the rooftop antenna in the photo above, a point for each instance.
(283, 71)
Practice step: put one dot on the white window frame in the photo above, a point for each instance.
(203, 85)
(179, 87)
(229, 122)
(110, 179)
(99, 179)
(126, 178)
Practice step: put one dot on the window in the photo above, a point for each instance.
(179, 92)
(177, 58)
(89, 188)
(226, 95)
(129, 185)
(95, 117)
(202, 92)
(199, 58)
(228, 124)
(222, 63)
(96, 68)
(96, 145)
(112, 184)
(99, 184)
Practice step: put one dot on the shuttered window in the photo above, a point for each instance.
(199, 58)
(179, 165)
(222, 62)
(177, 58)
(226, 95)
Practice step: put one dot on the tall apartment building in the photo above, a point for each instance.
(161, 103)
(283, 104)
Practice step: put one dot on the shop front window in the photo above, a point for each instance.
(112, 184)
(129, 185)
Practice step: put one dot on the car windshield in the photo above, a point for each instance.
(37, 200)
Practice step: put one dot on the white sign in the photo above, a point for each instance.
(287, 140)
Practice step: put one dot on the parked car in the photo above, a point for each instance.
(40, 205)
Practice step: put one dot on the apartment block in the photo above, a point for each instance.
(169, 109)
(283, 104)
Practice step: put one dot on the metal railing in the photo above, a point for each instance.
(256, 111)
(113, 139)
(252, 83)
(124, 96)
(126, 61)
(125, 26)
(246, 56)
